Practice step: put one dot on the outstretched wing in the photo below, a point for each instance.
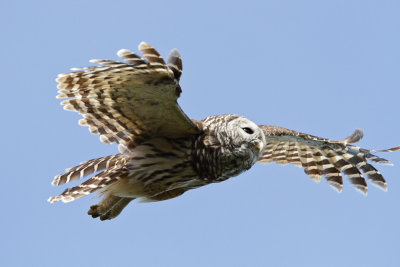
(128, 102)
(323, 157)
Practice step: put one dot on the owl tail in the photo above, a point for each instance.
(86, 168)
(93, 184)
(112, 171)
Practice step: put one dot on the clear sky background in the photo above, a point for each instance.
(321, 67)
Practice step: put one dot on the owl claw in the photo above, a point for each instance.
(93, 211)
(105, 217)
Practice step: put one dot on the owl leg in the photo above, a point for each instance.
(116, 209)
(168, 194)
(106, 204)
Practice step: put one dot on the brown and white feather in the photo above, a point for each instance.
(128, 103)
(88, 167)
(324, 157)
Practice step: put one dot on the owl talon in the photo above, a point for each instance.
(93, 211)
(105, 217)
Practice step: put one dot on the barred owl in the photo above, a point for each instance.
(163, 153)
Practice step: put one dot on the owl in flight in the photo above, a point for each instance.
(163, 153)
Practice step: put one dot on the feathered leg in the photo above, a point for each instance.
(116, 209)
(106, 204)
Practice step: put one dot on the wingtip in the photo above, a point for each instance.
(60, 75)
(94, 60)
(362, 189)
(381, 185)
(52, 200)
(174, 52)
(122, 52)
(384, 188)
(356, 136)
(316, 178)
(64, 199)
(143, 45)
(393, 149)
(336, 186)
(56, 180)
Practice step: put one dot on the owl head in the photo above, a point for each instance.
(236, 134)
(246, 135)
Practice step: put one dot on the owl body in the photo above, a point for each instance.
(162, 167)
(163, 153)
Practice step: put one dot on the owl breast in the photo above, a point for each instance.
(218, 163)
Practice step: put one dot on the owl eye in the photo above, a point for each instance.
(248, 130)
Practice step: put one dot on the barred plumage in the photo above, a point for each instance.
(323, 157)
(163, 153)
(88, 167)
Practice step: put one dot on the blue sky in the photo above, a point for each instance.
(322, 67)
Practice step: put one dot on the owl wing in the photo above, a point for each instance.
(128, 102)
(324, 157)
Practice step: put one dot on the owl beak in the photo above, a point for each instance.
(260, 146)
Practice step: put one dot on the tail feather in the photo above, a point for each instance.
(86, 168)
(93, 184)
